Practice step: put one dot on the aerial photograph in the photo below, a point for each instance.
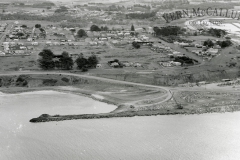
(119, 79)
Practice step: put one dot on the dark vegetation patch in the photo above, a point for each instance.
(75, 80)
(6, 81)
(65, 79)
(22, 81)
(185, 60)
(49, 82)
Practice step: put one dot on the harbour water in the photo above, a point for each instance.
(185, 137)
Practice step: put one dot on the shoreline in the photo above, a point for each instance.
(49, 118)
(113, 113)
(138, 100)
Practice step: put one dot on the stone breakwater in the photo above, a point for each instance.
(221, 109)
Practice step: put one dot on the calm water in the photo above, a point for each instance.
(198, 137)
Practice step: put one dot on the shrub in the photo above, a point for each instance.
(20, 79)
(25, 83)
(44, 115)
(228, 38)
(84, 70)
(65, 79)
(49, 82)
(136, 45)
(75, 80)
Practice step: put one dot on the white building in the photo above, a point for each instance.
(2, 53)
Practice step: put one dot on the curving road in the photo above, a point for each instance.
(167, 90)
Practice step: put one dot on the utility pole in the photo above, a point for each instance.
(179, 106)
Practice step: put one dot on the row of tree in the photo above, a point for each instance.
(222, 44)
(216, 32)
(142, 6)
(53, 18)
(141, 15)
(49, 61)
(62, 9)
(96, 28)
(169, 30)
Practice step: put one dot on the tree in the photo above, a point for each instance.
(61, 9)
(208, 43)
(46, 60)
(37, 25)
(136, 45)
(92, 61)
(224, 44)
(132, 28)
(136, 34)
(73, 30)
(42, 30)
(95, 28)
(81, 62)
(57, 64)
(81, 33)
(24, 26)
(66, 62)
(105, 28)
(155, 29)
(20, 34)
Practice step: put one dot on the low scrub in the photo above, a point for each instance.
(49, 82)
(65, 79)
(22, 81)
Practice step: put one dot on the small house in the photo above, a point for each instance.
(23, 47)
(19, 51)
(98, 66)
(137, 65)
(35, 43)
(2, 53)
(114, 64)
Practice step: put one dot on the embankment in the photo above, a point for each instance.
(122, 95)
(174, 79)
(49, 118)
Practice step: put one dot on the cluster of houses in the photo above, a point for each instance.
(161, 48)
(170, 64)
(201, 50)
(18, 48)
(109, 34)
(118, 64)
(114, 37)
(2, 53)
(210, 52)
(19, 33)
(69, 43)
(3, 27)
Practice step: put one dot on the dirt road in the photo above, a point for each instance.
(167, 90)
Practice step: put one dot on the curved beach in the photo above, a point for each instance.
(207, 136)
